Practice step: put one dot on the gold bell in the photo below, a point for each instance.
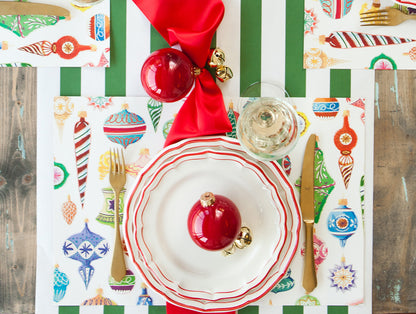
(217, 58)
(224, 73)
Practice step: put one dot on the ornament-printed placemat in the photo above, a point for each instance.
(333, 37)
(84, 130)
(81, 40)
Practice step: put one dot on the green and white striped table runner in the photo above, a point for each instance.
(263, 41)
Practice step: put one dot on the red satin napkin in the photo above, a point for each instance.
(192, 24)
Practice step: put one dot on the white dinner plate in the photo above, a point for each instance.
(226, 300)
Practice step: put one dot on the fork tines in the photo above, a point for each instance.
(374, 17)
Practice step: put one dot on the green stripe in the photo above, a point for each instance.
(69, 310)
(157, 309)
(295, 74)
(111, 309)
(332, 309)
(156, 40)
(213, 46)
(250, 45)
(292, 309)
(340, 83)
(251, 309)
(115, 75)
(70, 82)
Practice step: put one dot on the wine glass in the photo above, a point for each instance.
(268, 127)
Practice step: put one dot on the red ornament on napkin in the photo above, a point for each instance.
(192, 24)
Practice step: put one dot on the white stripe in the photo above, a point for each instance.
(314, 309)
(270, 309)
(317, 82)
(273, 48)
(228, 39)
(362, 85)
(91, 309)
(137, 48)
(135, 309)
(92, 81)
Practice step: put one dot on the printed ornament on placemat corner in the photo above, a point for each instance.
(124, 127)
(60, 284)
(106, 215)
(336, 9)
(99, 27)
(125, 285)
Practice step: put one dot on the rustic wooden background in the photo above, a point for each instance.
(394, 251)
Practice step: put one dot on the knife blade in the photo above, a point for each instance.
(308, 213)
(31, 8)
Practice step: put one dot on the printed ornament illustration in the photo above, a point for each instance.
(106, 216)
(411, 54)
(345, 140)
(134, 168)
(60, 283)
(100, 102)
(383, 62)
(345, 40)
(310, 21)
(285, 284)
(99, 299)
(59, 175)
(124, 127)
(125, 285)
(84, 5)
(23, 25)
(325, 108)
(323, 182)
(103, 62)
(320, 251)
(99, 28)
(286, 164)
(67, 47)
(85, 247)
(303, 122)
(362, 197)
(359, 103)
(336, 9)
(307, 300)
(342, 222)
(144, 297)
(167, 126)
(69, 210)
(82, 135)
(62, 110)
(343, 276)
(315, 58)
(154, 108)
(232, 116)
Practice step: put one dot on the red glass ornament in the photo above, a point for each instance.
(214, 222)
(167, 75)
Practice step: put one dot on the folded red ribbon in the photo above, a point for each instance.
(192, 24)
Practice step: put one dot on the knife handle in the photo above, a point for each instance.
(309, 273)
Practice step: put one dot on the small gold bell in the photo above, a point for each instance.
(217, 58)
(224, 73)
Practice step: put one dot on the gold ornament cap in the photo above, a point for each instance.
(207, 199)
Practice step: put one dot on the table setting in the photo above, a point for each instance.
(294, 185)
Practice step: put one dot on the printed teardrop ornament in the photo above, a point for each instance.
(345, 140)
(167, 75)
(124, 127)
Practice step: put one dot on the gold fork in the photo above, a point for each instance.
(117, 181)
(384, 17)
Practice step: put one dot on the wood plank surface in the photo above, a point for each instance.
(394, 249)
(17, 190)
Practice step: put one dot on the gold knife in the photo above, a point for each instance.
(308, 213)
(31, 8)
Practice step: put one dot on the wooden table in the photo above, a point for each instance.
(394, 250)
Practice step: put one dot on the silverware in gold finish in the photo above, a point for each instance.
(308, 213)
(117, 181)
(384, 17)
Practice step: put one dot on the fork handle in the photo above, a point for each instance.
(118, 265)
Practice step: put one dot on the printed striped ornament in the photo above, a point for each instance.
(345, 40)
(82, 135)
(336, 9)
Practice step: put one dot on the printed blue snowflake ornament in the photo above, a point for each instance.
(85, 247)
(342, 222)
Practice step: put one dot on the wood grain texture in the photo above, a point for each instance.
(17, 190)
(394, 248)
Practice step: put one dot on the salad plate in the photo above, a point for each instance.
(149, 250)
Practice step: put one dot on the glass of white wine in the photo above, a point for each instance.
(268, 126)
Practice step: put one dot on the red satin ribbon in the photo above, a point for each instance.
(192, 24)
